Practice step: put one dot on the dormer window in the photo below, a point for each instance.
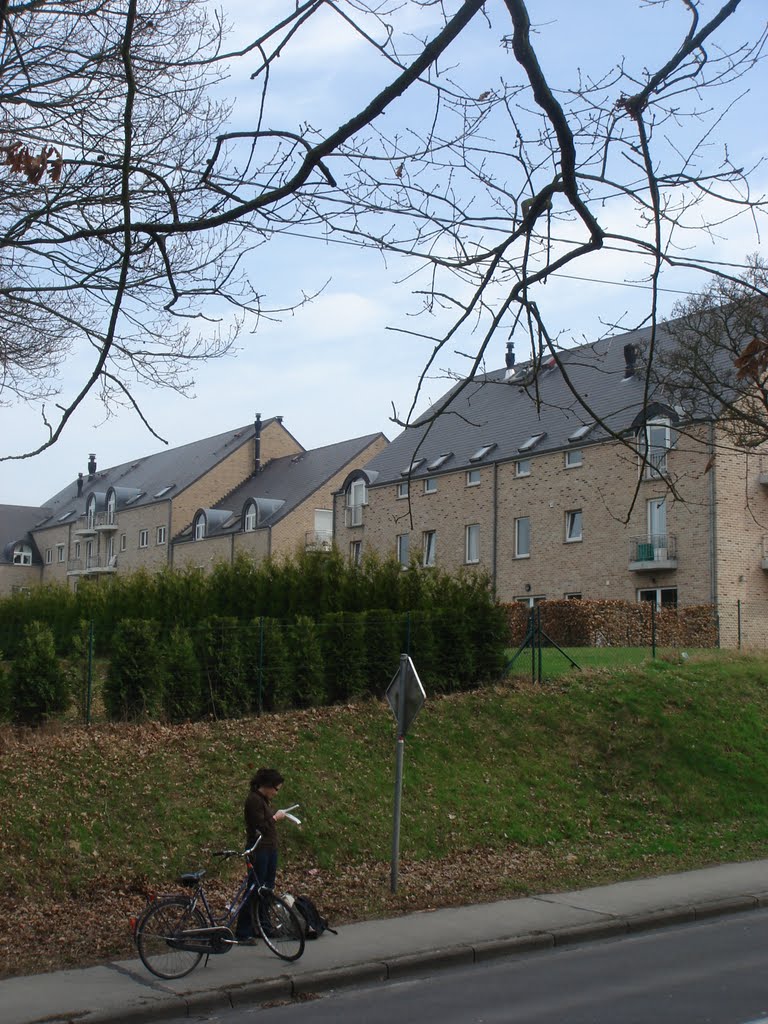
(22, 554)
(250, 518)
(111, 503)
(90, 511)
(654, 444)
(200, 526)
(357, 497)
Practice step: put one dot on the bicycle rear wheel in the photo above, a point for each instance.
(279, 926)
(156, 929)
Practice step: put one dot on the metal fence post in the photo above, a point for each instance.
(653, 628)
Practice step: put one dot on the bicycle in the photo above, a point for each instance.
(174, 932)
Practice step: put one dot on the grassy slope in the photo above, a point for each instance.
(508, 790)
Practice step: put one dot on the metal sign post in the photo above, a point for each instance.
(406, 696)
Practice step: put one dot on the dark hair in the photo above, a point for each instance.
(267, 777)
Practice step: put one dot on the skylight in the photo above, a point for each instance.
(164, 490)
(66, 515)
(440, 460)
(412, 468)
(135, 498)
(532, 441)
(482, 452)
(581, 432)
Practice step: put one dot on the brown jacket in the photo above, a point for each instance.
(259, 816)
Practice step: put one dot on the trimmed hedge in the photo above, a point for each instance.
(616, 624)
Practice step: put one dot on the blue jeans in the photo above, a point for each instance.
(264, 870)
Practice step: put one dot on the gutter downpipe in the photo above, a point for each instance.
(713, 589)
(495, 528)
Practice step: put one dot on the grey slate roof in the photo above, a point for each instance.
(491, 410)
(172, 468)
(285, 483)
(15, 523)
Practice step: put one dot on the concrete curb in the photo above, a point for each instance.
(287, 987)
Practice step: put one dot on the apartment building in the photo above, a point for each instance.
(632, 497)
(139, 514)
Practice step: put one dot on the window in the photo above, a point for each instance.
(573, 458)
(200, 526)
(357, 496)
(657, 522)
(403, 549)
(523, 467)
(111, 505)
(472, 543)
(355, 552)
(523, 537)
(412, 468)
(572, 597)
(402, 489)
(89, 554)
(161, 534)
(430, 485)
(429, 540)
(90, 512)
(440, 460)
(573, 525)
(654, 445)
(48, 556)
(473, 477)
(22, 554)
(111, 549)
(164, 490)
(249, 520)
(482, 452)
(532, 441)
(662, 597)
(581, 432)
(123, 541)
(59, 552)
(143, 538)
(77, 549)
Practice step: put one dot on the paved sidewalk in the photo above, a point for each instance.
(380, 950)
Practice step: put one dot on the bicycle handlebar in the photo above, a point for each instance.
(237, 853)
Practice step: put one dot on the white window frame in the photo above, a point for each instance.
(573, 526)
(161, 535)
(251, 518)
(22, 554)
(143, 538)
(403, 547)
(472, 543)
(77, 549)
(428, 548)
(402, 489)
(49, 556)
(111, 506)
(574, 457)
(523, 467)
(473, 478)
(656, 452)
(123, 541)
(430, 485)
(60, 553)
(657, 598)
(355, 551)
(199, 528)
(519, 552)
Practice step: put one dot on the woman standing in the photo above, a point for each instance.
(260, 818)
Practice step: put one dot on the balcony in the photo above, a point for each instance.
(653, 553)
(318, 541)
(92, 565)
(353, 515)
(101, 522)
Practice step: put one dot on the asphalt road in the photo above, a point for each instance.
(711, 972)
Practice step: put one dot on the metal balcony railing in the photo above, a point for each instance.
(353, 515)
(653, 547)
(318, 540)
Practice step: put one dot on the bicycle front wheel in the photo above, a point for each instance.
(156, 929)
(279, 926)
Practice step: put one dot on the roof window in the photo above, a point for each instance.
(532, 441)
(440, 460)
(413, 467)
(164, 490)
(582, 431)
(482, 452)
(66, 515)
(135, 498)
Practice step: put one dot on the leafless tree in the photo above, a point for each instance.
(486, 193)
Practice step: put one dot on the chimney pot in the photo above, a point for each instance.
(79, 485)
(630, 357)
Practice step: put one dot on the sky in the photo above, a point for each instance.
(337, 367)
